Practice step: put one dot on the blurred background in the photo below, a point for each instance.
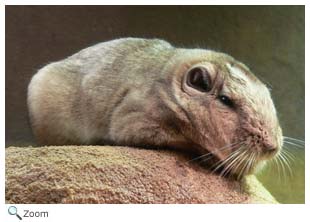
(268, 39)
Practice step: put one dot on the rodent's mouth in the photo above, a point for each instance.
(236, 159)
(240, 161)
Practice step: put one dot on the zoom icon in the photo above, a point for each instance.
(13, 211)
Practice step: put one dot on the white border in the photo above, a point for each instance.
(155, 212)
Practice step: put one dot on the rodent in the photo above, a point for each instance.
(147, 93)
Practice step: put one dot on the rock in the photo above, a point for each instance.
(105, 174)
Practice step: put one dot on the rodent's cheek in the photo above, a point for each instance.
(229, 127)
(225, 124)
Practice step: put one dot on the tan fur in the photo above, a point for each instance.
(132, 92)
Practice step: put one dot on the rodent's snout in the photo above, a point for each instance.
(265, 143)
(268, 146)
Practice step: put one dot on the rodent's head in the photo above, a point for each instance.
(230, 112)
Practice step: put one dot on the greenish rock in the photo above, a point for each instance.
(258, 193)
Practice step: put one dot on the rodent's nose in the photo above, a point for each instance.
(269, 147)
(265, 143)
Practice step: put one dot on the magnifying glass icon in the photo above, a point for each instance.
(13, 211)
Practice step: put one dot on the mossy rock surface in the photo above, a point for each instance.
(105, 174)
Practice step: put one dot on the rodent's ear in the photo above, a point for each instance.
(199, 79)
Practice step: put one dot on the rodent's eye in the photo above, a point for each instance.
(199, 79)
(226, 101)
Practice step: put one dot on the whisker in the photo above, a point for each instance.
(216, 150)
(245, 166)
(229, 166)
(294, 144)
(241, 162)
(293, 154)
(251, 162)
(282, 167)
(221, 163)
(294, 139)
(232, 163)
(278, 167)
(287, 163)
(289, 155)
